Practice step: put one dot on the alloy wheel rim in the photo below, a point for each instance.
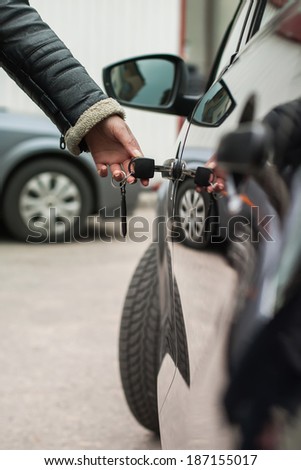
(192, 214)
(51, 201)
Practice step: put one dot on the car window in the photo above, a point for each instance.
(269, 13)
(251, 16)
(232, 40)
(271, 9)
(266, 12)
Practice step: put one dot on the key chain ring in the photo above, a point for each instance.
(131, 169)
(122, 182)
(216, 195)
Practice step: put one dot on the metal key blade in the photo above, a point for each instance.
(166, 169)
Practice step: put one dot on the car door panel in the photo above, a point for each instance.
(192, 416)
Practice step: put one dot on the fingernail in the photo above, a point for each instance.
(131, 180)
(137, 153)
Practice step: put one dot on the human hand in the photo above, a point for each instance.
(112, 144)
(217, 179)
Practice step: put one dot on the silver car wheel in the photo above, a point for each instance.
(48, 199)
(192, 212)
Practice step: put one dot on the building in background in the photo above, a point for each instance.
(204, 24)
(99, 32)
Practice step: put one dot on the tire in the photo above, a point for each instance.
(191, 216)
(47, 200)
(139, 342)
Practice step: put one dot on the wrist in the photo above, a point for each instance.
(76, 137)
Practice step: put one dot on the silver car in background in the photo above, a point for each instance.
(46, 194)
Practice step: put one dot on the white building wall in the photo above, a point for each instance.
(99, 32)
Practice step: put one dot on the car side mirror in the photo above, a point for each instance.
(155, 82)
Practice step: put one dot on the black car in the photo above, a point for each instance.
(175, 353)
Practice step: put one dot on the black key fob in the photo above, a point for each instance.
(142, 167)
(202, 176)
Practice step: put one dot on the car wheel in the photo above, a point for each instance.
(47, 200)
(191, 216)
(139, 342)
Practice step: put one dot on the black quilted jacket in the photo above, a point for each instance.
(43, 67)
(285, 121)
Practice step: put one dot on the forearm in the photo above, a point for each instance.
(45, 69)
(285, 123)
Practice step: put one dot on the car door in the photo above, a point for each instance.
(176, 368)
(191, 415)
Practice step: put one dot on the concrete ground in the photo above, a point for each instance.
(60, 308)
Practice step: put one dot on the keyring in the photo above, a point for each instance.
(119, 184)
(215, 194)
(131, 170)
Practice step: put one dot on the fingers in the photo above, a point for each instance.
(217, 187)
(113, 145)
(102, 170)
(217, 184)
(217, 179)
(127, 139)
(144, 182)
(117, 171)
(211, 165)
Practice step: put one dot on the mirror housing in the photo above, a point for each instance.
(155, 82)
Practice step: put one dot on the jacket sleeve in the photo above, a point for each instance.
(40, 63)
(285, 122)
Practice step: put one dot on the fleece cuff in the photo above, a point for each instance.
(92, 116)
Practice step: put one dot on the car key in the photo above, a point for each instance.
(202, 176)
(123, 209)
(145, 168)
(142, 167)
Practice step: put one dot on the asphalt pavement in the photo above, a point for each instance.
(60, 308)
